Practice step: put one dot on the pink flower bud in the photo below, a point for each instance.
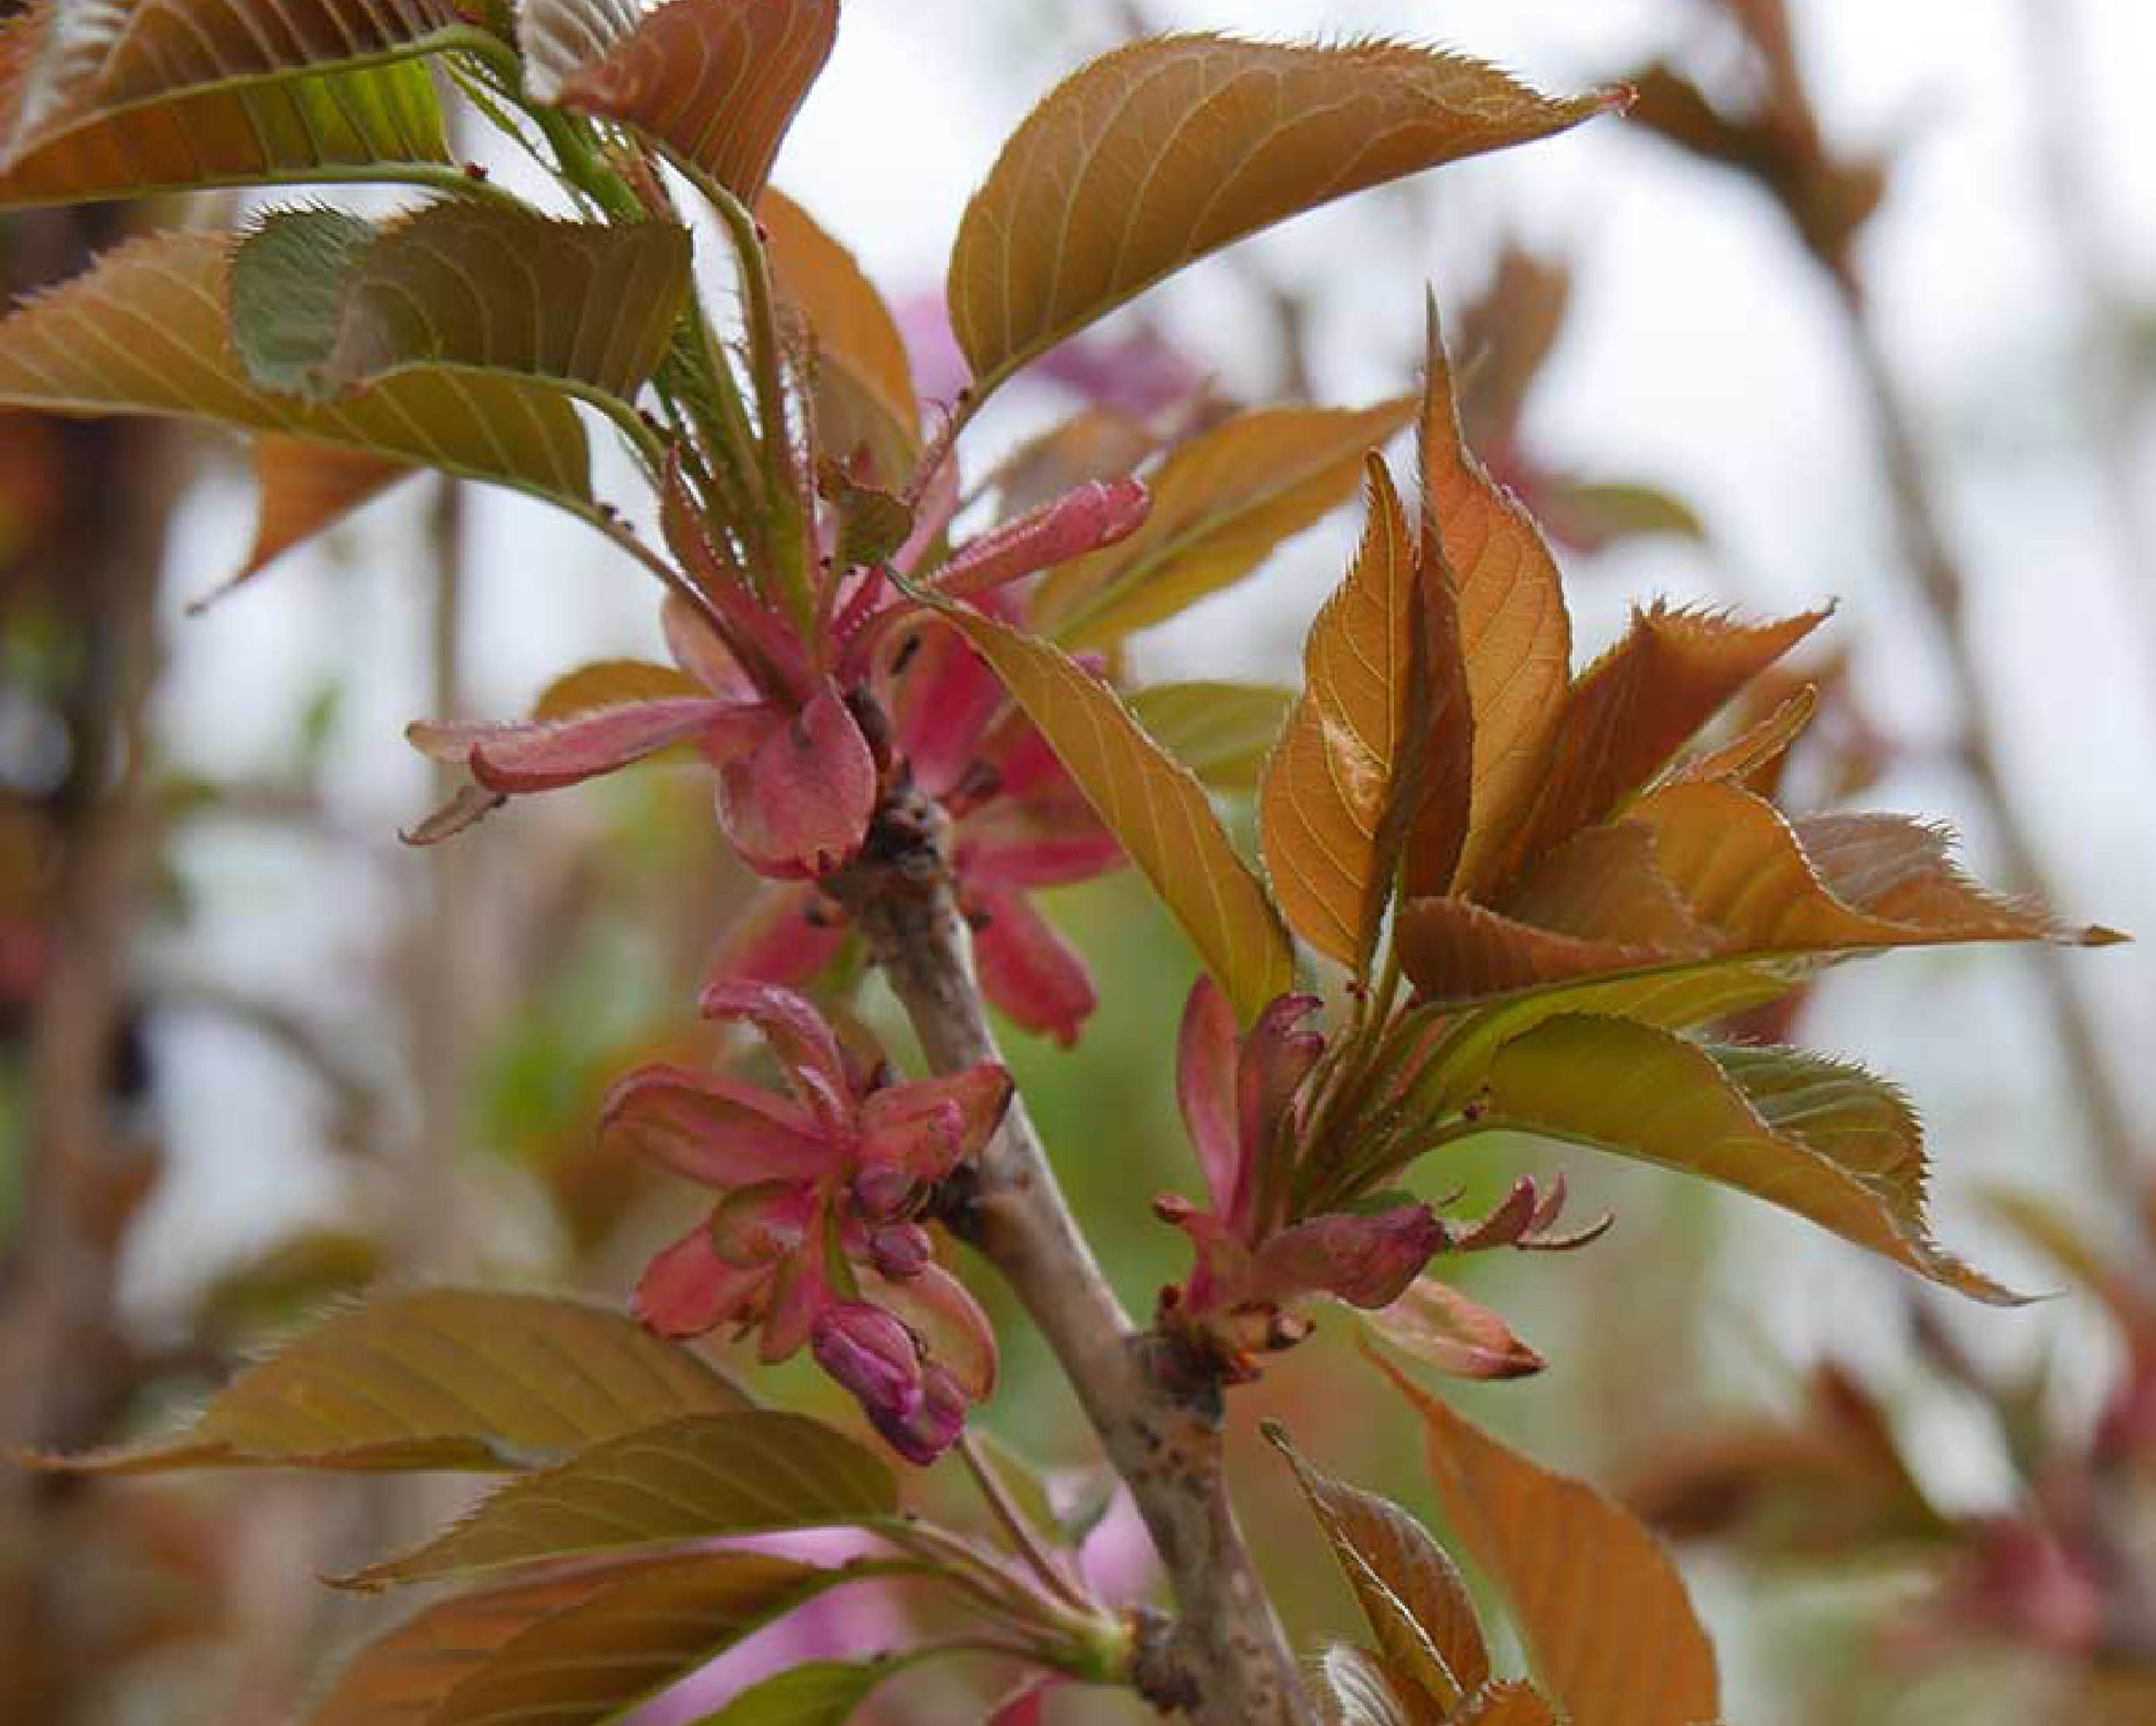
(873, 1356)
(899, 1250)
(935, 1423)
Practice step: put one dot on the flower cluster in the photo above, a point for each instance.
(1019, 822)
(1240, 1099)
(786, 717)
(815, 1237)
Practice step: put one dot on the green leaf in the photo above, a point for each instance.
(576, 1649)
(1411, 1594)
(1157, 812)
(375, 124)
(324, 304)
(716, 82)
(1159, 152)
(1824, 1139)
(696, 1479)
(1222, 732)
(143, 331)
(1608, 1627)
(1221, 503)
(446, 1378)
(821, 1693)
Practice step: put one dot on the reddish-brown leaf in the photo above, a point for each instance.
(1411, 1595)
(749, 1471)
(1221, 503)
(143, 331)
(1164, 150)
(1636, 706)
(1515, 634)
(1348, 754)
(576, 1649)
(300, 490)
(69, 65)
(1609, 1626)
(716, 82)
(447, 1378)
(1153, 806)
(865, 399)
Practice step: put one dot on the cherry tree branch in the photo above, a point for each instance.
(1225, 1661)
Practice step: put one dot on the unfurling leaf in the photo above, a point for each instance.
(1221, 503)
(1415, 1605)
(300, 490)
(1702, 874)
(1158, 153)
(1156, 810)
(1824, 1139)
(578, 1648)
(755, 1471)
(1330, 809)
(1222, 732)
(716, 82)
(1441, 1328)
(1609, 1630)
(865, 401)
(143, 331)
(449, 1378)
(323, 303)
(1629, 712)
(1515, 634)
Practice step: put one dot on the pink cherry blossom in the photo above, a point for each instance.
(813, 1239)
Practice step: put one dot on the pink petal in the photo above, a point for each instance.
(1096, 514)
(798, 1298)
(540, 755)
(929, 1126)
(697, 649)
(1030, 858)
(1366, 1261)
(1205, 1087)
(688, 1289)
(1027, 969)
(800, 1036)
(1439, 1325)
(787, 936)
(759, 1226)
(936, 1306)
(799, 803)
(946, 696)
(715, 1131)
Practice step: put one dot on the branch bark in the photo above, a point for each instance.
(1225, 1661)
